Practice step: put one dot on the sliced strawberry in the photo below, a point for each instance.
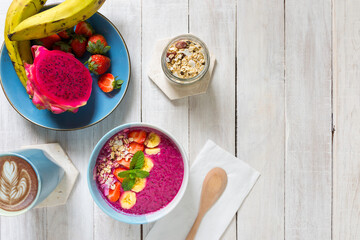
(84, 28)
(107, 82)
(134, 147)
(138, 136)
(124, 163)
(66, 34)
(78, 44)
(117, 171)
(97, 44)
(114, 195)
(49, 41)
(98, 64)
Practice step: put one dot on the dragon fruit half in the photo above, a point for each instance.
(57, 81)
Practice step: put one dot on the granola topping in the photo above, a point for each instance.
(118, 150)
(185, 59)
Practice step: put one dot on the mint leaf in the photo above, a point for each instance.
(134, 173)
(141, 173)
(138, 160)
(128, 184)
(124, 174)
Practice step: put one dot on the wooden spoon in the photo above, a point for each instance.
(213, 186)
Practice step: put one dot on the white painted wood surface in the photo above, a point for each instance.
(260, 115)
(212, 116)
(346, 63)
(308, 156)
(286, 75)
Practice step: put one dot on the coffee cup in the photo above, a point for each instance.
(27, 177)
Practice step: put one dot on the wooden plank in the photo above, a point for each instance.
(78, 211)
(162, 19)
(346, 207)
(127, 19)
(308, 172)
(19, 132)
(260, 115)
(79, 144)
(212, 115)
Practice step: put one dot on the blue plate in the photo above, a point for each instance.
(100, 104)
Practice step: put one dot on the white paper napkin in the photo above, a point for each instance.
(241, 179)
(172, 90)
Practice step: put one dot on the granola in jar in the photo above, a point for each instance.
(185, 59)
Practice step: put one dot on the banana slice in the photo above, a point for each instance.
(148, 164)
(128, 199)
(139, 185)
(152, 151)
(152, 140)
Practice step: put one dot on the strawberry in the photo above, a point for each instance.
(98, 64)
(66, 34)
(49, 41)
(62, 46)
(117, 171)
(78, 44)
(107, 82)
(124, 163)
(114, 194)
(84, 28)
(97, 44)
(134, 147)
(138, 136)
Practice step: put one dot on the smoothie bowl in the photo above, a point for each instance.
(137, 173)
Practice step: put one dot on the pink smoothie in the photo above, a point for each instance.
(163, 182)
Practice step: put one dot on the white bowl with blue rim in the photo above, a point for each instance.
(132, 218)
(100, 104)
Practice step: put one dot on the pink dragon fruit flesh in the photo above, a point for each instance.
(57, 81)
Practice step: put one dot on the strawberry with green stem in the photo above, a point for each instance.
(78, 44)
(98, 64)
(84, 28)
(97, 44)
(66, 34)
(49, 41)
(62, 46)
(107, 82)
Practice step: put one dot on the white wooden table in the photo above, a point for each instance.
(285, 97)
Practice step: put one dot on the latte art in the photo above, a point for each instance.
(18, 183)
(12, 190)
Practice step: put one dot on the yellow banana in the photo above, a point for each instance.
(56, 19)
(20, 51)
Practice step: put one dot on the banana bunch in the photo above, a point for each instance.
(56, 19)
(23, 24)
(19, 51)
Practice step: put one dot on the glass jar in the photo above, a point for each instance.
(185, 59)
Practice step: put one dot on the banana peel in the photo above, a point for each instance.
(61, 17)
(20, 51)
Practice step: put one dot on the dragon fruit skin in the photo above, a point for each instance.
(57, 81)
